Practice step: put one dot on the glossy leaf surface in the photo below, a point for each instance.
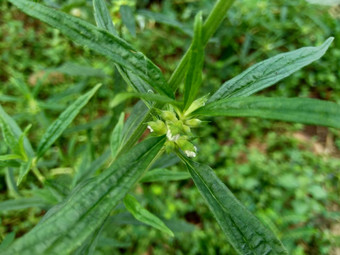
(269, 72)
(243, 230)
(301, 110)
(66, 226)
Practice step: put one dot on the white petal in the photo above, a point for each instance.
(190, 154)
(150, 128)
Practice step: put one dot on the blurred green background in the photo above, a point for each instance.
(286, 174)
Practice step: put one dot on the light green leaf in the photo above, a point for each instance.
(102, 16)
(243, 230)
(74, 69)
(301, 110)
(163, 175)
(117, 136)
(66, 117)
(128, 19)
(269, 72)
(165, 19)
(24, 170)
(9, 157)
(100, 41)
(121, 97)
(143, 215)
(66, 226)
(194, 75)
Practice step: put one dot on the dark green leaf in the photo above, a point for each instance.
(102, 16)
(66, 226)
(100, 41)
(194, 75)
(269, 72)
(143, 215)
(301, 110)
(163, 175)
(128, 19)
(9, 238)
(64, 120)
(243, 230)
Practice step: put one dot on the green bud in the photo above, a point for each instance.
(173, 132)
(168, 116)
(193, 122)
(169, 146)
(198, 103)
(187, 147)
(158, 127)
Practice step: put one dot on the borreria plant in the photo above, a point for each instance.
(73, 225)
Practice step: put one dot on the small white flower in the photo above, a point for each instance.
(190, 154)
(150, 128)
(170, 137)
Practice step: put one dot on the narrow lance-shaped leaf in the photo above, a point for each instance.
(12, 134)
(103, 21)
(100, 41)
(128, 19)
(117, 136)
(194, 75)
(102, 16)
(210, 26)
(243, 230)
(301, 110)
(269, 72)
(66, 226)
(143, 215)
(24, 170)
(163, 175)
(64, 120)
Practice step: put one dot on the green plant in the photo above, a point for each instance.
(74, 224)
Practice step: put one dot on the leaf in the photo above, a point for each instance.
(9, 238)
(143, 215)
(24, 170)
(74, 69)
(9, 157)
(100, 41)
(269, 72)
(121, 97)
(117, 136)
(66, 117)
(12, 134)
(301, 110)
(243, 230)
(66, 226)
(165, 19)
(128, 19)
(210, 26)
(102, 16)
(22, 203)
(163, 175)
(194, 75)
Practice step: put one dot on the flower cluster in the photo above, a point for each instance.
(177, 125)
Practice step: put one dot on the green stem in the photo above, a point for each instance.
(36, 171)
(210, 26)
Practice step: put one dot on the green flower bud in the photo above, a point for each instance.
(187, 147)
(198, 103)
(193, 122)
(173, 132)
(168, 116)
(158, 127)
(169, 146)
